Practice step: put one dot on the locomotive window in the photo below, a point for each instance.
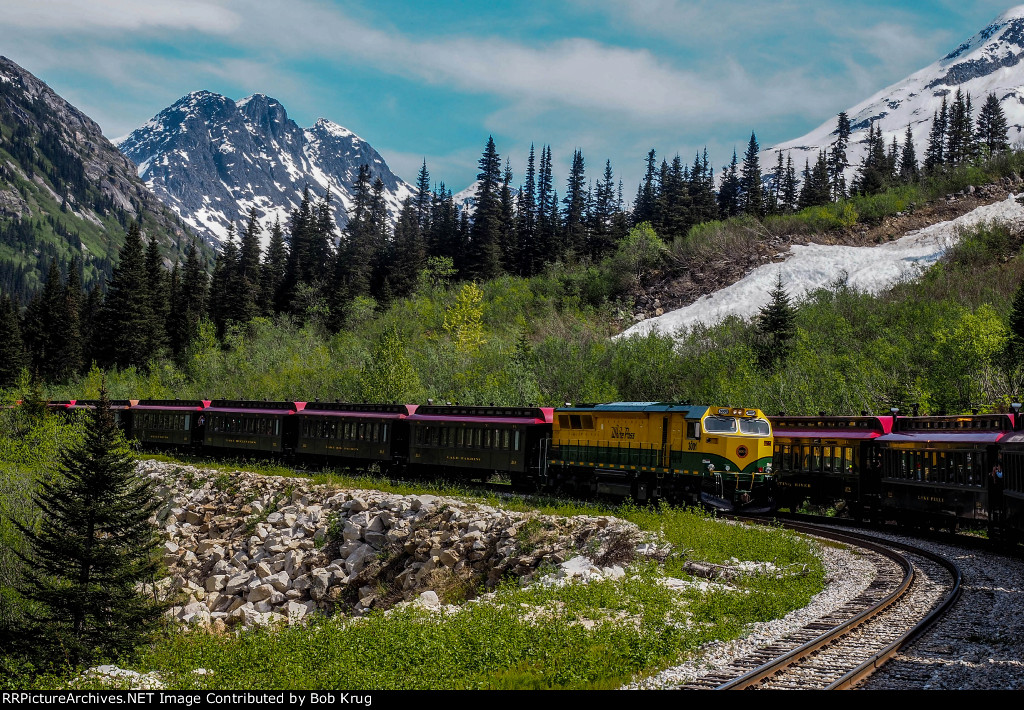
(692, 430)
(758, 427)
(588, 422)
(719, 425)
(563, 421)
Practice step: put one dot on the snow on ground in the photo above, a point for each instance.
(808, 268)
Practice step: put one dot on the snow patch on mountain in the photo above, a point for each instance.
(814, 266)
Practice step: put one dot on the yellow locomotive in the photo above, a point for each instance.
(662, 450)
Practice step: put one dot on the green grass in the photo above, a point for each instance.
(580, 636)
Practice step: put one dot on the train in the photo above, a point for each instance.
(923, 471)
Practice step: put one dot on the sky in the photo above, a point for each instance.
(431, 81)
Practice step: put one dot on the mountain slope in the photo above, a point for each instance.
(213, 160)
(65, 190)
(988, 62)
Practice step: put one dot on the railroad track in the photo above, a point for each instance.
(910, 591)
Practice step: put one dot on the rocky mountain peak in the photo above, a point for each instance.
(214, 160)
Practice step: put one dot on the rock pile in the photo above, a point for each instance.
(248, 549)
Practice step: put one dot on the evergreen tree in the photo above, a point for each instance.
(774, 195)
(250, 271)
(93, 546)
(837, 161)
(127, 316)
(935, 154)
(356, 257)
(383, 249)
(272, 271)
(192, 301)
(751, 188)
(575, 228)
(528, 259)
(908, 171)
(300, 230)
(72, 346)
(644, 205)
(788, 191)
(992, 126)
(547, 224)
(601, 222)
(874, 173)
(485, 232)
(12, 350)
(776, 326)
(224, 283)
(422, 200)
(158, 291)
(729, 192)
(960, 130)
(410, 251)
(701, 191)
(41, 326)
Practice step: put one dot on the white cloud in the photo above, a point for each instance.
(119, 15)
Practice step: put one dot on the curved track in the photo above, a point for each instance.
(911, 589)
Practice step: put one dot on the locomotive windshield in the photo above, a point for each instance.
(728, 425)
(719, 425)
(758, 427)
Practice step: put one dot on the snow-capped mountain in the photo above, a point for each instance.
(989, 62)
(213, 160)
(466, 199)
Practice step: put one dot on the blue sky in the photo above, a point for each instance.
(418, 80)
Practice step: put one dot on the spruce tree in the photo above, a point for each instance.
(788, 191)
(647, 192)
(575, 228)
(12, 350)
(935, 154)
(527, 260)
(158, 292)
(272, 271)
(485, 232)
(908, 171)
(752, 191)
(992, 126)
(127, 316)
(92, 548)
(837, 161)
(775, 328)
(729, 192)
